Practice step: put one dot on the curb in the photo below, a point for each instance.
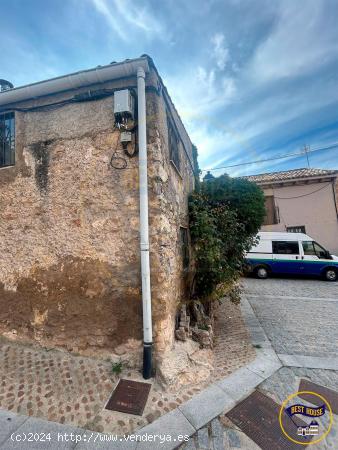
(186, 419)
(224, 394)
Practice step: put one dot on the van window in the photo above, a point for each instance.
(312, 248)
(308, 248)
(285, 247)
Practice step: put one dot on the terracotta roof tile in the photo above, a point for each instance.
(289, 175)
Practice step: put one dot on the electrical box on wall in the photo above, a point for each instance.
(125, 136)
(124, 104)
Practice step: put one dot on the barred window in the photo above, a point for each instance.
(296, 229)
(7, 139)
(184, 242)
(173, 141)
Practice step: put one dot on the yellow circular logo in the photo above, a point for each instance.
(313, 412)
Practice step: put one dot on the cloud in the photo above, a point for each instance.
(274, 99)
(44, 66)
(199, 92)
(111, 18)
(138, 16)
(303, 39)
(220, 52)
(246, 85)
(124, 17)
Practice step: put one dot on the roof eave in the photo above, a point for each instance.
(74, 80)
(299, 179)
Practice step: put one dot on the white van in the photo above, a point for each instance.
(291, 253)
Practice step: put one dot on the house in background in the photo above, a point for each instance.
(70, 210)
(302, 200)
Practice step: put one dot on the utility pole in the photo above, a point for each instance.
(306, 151)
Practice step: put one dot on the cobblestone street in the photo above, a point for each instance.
(73, 390)
(299, 317)
(292, 324)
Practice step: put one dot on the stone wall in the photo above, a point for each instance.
(169, 190)
(69, 230)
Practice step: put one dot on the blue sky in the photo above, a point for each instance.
(250, 79)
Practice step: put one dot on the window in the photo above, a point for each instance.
(271, 212)
(173, 142)
(7, 139)
(296, 229)
(184, 242)
(308, 248)
(285, 247)
(312, 248)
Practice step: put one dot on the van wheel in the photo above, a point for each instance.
(330, 274)
(261, 272)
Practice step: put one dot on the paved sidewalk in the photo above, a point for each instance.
(233, 348)
(267, 316)
(61, 387)
(299, 319)
(185, 420)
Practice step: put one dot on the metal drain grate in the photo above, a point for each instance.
(129, 397)
(257, 417)
(329, 395)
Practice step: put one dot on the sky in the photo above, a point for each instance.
(251, 79)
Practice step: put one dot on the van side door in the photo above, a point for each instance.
(314, 258)
(286, 257)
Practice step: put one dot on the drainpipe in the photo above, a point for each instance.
(144, 227)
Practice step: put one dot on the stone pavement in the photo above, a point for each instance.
(73, 390)
(64, 388)
(299, 318)
(232, 348)
(168, 430)
(203, 417)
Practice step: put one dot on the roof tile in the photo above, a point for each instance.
(289, 175)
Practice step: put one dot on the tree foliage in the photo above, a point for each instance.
(225, 216)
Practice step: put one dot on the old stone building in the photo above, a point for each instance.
(69, 211)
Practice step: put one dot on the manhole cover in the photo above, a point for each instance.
(329, 395)
(257, 416)
(129, 397)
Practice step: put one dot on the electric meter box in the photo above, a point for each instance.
(125, 136)
(124, 103)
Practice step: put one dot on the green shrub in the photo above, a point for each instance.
(225, 216)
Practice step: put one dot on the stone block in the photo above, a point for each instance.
(173, 424)
(9, 422)
(205, 406)
(203, 439)
(60, 436)
(240, 383)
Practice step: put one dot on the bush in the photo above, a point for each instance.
(225, 216)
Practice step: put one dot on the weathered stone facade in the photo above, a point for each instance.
(69, 230)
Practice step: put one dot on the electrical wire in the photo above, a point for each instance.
(86, 96)
(286, 155)
(304, 195)
(117, 162)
